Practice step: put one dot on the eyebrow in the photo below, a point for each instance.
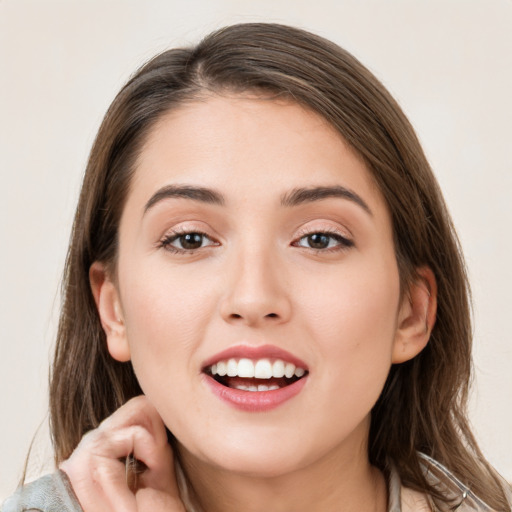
(300, 196)
(295, 197)
(202, 194)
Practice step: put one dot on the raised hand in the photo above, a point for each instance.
(98, 473)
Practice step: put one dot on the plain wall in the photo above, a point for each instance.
(448, 62)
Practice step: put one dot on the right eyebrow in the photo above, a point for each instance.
(202, 194)
(308, 195)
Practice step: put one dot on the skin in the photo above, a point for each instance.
(255, 280)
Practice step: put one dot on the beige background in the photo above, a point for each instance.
(449, 63)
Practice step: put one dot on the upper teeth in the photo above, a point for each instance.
(260, 369)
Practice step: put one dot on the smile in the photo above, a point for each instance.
(259, 375)
(253, 383)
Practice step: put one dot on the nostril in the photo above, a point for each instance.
(252, 318)
(237, 316)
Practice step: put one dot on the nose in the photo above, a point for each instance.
(257, 293)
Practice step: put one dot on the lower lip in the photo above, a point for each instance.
(255, 401)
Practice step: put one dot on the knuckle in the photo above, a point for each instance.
(103, 472)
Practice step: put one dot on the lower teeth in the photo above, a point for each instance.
(253, 384)
(260, 387)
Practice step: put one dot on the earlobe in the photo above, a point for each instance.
(110, 311)
(417, 316)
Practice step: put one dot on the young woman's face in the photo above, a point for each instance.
(254, 239)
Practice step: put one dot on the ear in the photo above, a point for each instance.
(109, 308)
(416, 317)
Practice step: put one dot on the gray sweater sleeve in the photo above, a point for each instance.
(50, 493)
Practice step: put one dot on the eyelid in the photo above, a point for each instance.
(174, 233)
(345, 241)
(324, 227)
(182, 227)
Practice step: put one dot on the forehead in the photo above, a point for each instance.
(248, 144)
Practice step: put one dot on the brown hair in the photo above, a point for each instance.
(423, 404)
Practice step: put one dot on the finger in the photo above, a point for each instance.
(138, 411)
(95, 470)
(143, 434)
(119, 443)
(99, 485)
(161, 475)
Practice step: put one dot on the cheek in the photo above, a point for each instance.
(166, 316)
(354, 321)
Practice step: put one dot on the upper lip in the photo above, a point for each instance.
(255, 353)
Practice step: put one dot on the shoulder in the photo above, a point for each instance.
(50, 493)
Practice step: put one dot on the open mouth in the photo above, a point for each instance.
(255, 375)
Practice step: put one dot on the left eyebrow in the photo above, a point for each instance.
(201, 194)
(307, 195)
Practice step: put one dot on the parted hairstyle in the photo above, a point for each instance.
(423, 404)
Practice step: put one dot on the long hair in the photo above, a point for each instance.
(423, 404)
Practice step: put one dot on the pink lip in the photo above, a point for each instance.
(255, 401)
(255, 352)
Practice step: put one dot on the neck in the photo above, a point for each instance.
(336, 483)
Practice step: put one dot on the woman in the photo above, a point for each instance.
(263, 273)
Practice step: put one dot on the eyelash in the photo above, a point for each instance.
(167, 240)
(343, 243)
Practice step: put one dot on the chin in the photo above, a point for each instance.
(259, 458)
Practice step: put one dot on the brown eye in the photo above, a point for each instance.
(191, 241)
(321, 241)
(318, 241)
(184, 242)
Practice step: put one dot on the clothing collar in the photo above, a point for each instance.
(400, 498)
(456, 495)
